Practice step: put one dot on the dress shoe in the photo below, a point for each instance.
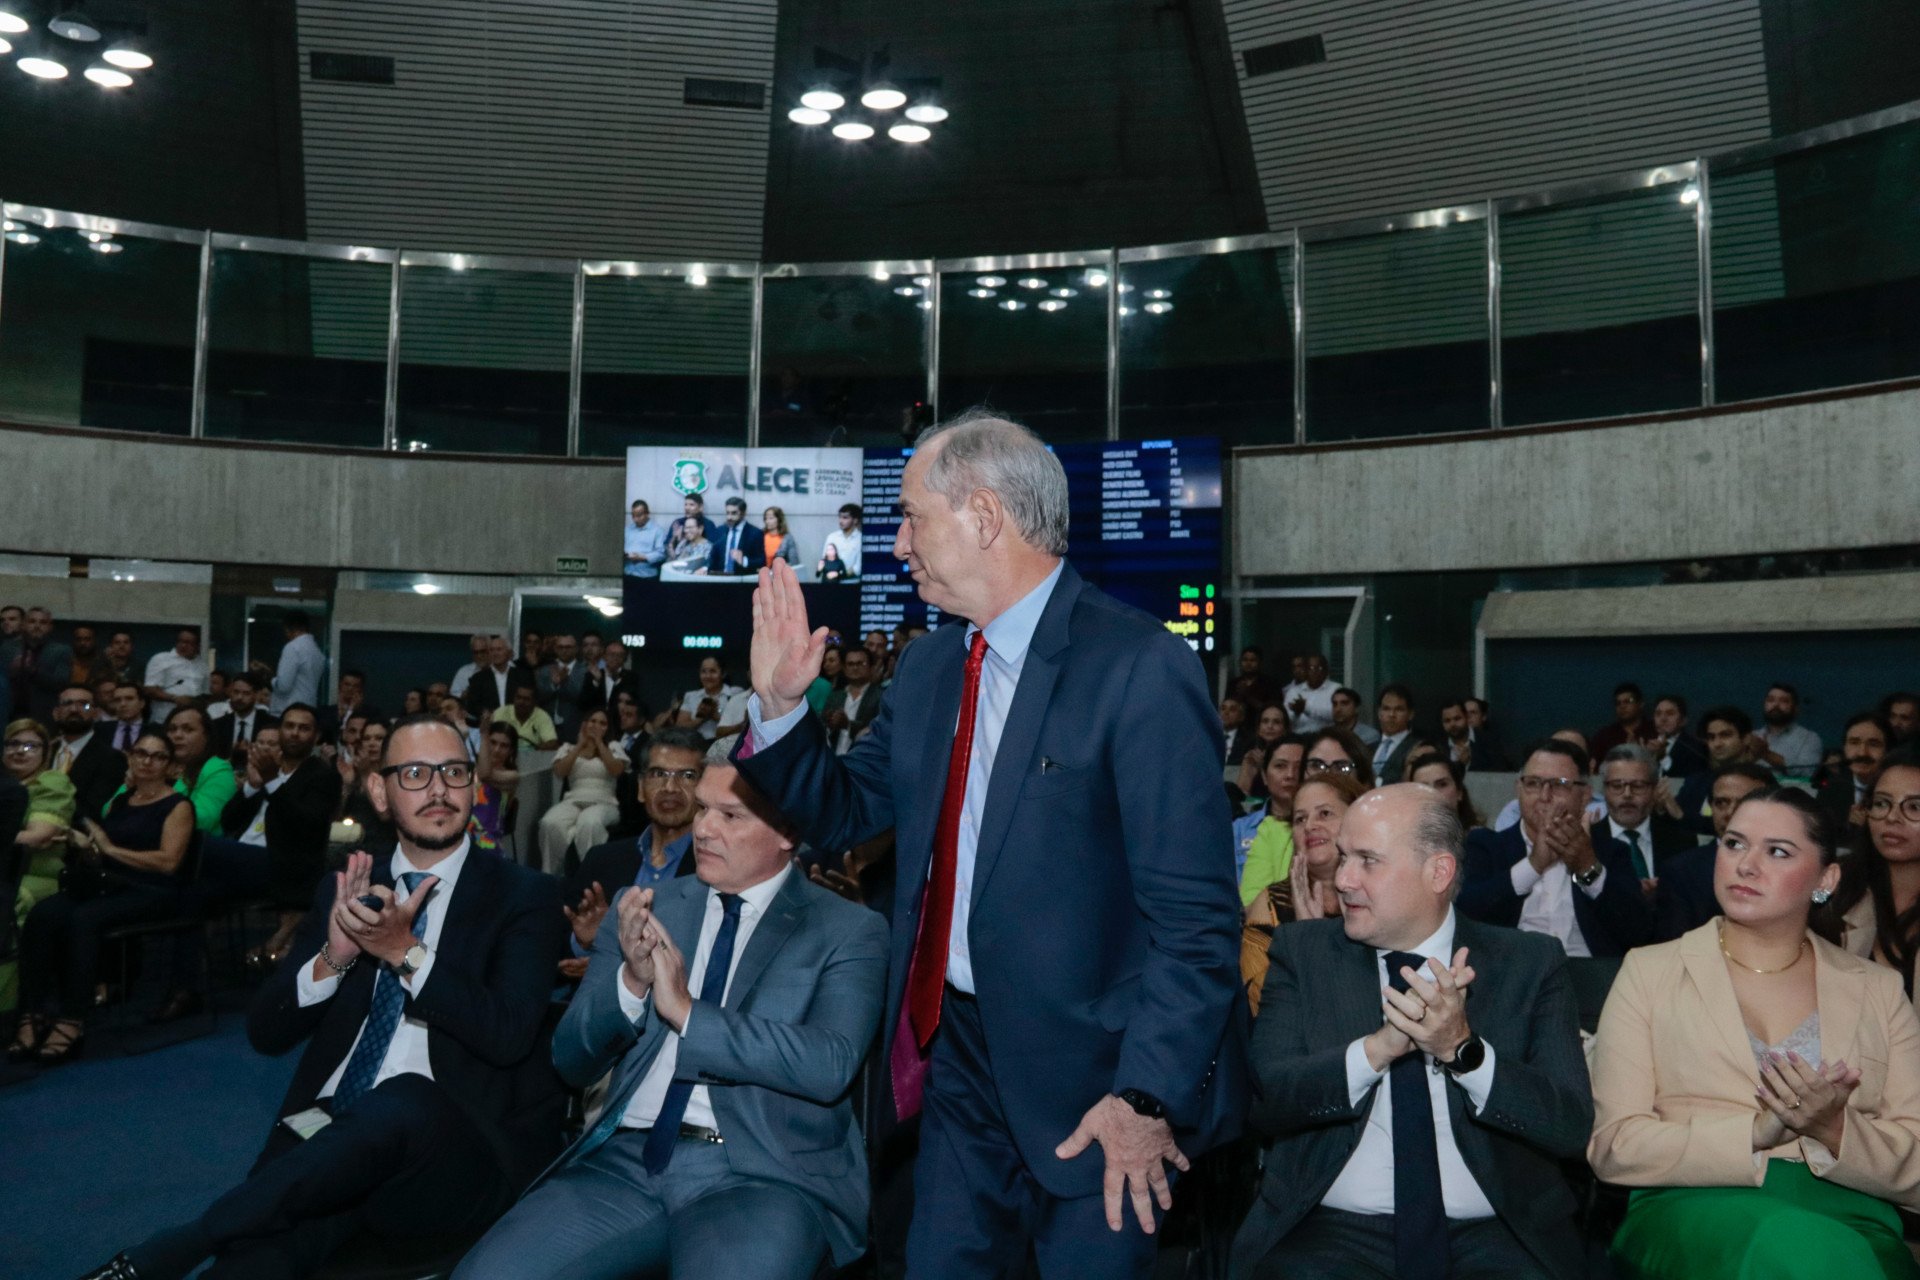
(182, 1004)
(121, 1268)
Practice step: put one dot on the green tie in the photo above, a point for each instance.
(1640, 867)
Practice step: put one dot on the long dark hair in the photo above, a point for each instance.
(1866, 873)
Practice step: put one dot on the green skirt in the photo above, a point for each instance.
(1793, 1227)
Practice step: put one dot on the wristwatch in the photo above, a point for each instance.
(1143, 1103)
(1468, 1057)
(412, 961)
(1586, 878)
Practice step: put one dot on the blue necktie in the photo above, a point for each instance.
(383, 1017)
(1419, 1211)
(713, 988)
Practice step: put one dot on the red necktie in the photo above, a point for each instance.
(927, 971)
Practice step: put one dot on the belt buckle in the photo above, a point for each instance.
(695, 1133)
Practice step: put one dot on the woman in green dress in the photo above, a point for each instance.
(43, 840)
(1758, 1086)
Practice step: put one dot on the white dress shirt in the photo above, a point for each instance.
(1549, 894)
(297, 679)
(1643, 835)
(457, 688)
(1319, 711)
(645, 1104)
(1384, 750)
(176, 676)
(407, 1051)
(847, 547)
(243, 729)
(731, 704)
(1365, 1185)
(256, 832)
(843, 738)
(1008, 638)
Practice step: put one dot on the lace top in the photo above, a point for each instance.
(1803, 1040)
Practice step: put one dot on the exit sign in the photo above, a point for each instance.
(570, 564)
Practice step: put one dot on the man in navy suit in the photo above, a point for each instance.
(423, 1102)
(738, 546)
(1064, 969)
(1548, 873)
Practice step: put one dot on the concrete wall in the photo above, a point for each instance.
(1809, 476)
(105, 495)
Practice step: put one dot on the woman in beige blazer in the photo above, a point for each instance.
(1758, 1086)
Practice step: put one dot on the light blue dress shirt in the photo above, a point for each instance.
(650, 544)
(1008, 638)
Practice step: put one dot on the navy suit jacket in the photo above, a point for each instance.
(752, 541)
(1104, 920)
(1612, 923)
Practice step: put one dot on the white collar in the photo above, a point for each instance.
(1437, 946)
(1620, 832)
(447, 870)
(758, 896)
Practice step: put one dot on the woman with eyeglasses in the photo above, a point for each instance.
(126, 867)
(1333, 750)
(43, 835)
(1876, 912)
(1307, 892)
(581, 818)
(1756, 1085)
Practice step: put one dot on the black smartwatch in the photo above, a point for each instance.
(1468, 1057)
(1143, 1103)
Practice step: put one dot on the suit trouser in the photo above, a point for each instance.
(1331, 1244)
(604, 1217)
(976, 1206)
(403, 1161)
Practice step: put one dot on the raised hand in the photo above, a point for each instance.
(636, 941)
(1432, 1012)
(786, 655)
(586, 917)
(387, 934)
(343, 941)
(672, 998)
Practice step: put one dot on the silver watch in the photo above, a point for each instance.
(411, 962)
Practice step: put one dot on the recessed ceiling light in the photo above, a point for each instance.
(6, 46)
(909, 133)
(74, 25)
(809, 115)
(1012, 304)
(924, 305)
(23, 237)
(108, 77)
(1126, 311)
(128, 58)
(42, 68)
(822, 100)
(1158, 308)
(883, 97)
(882, 274)
(906, 290)
(426, 589)
(923, 281)
(1052, 304)
(106, 246)
(853, 131)
(13, 24)
(1159, 293)
(991, 282)
(926, 113)
(982, 293)
(1032, 282)
(1690, 194)
(697, 278)
(1064, 291)
(1096, 279)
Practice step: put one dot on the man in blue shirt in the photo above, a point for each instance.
(646, 543)
(675, 760)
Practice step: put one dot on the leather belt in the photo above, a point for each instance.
(698, 1133)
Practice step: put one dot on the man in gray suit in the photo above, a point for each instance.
(1416, 1135)
(558, 686)
(727, 1146)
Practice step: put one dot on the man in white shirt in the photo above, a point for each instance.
(1788, 746)
(848, 711)
(764, 1177)
(421, 1011)
(477, 647)
(1310, 704)
(845, 540)
(1428, 1145)
(175, 675)
(298, 676)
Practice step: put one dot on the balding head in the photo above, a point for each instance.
(1400, 850)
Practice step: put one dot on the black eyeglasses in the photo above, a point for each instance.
(1880, 810)
(149, 755)
(20, 746)
(417, 775)
(1317, 765)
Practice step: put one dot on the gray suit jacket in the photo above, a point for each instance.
(778, 1060)
(561, 700)
(1323, 992)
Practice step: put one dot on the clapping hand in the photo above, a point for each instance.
(837, 881)
(672, 999)
(636, 942)
(586, 917)
(1432, 1013)
(786, 655)
(1804, 1099)
(386, 934)
(343, 941)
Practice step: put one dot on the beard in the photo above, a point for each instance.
(427, 840)
(1776, 718)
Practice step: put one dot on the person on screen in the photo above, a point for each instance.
(831, 568)
(776, 540)
(646, 543)
(694, 508)
(843, 545)
(739, 547)
(694, 549)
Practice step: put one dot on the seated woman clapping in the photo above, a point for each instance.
(1759, 1086)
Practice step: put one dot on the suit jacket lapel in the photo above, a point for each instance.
(1014, 757)
(1356, 1005)
(1700, 952)
(1837, 989)
(782, 918)
(943, 713)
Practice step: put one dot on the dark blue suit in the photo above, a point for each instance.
(1618, 919)
(1103, 922)
(752, 541)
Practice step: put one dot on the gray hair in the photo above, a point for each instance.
(1437, 829)
(1629, 753)
(979, 449)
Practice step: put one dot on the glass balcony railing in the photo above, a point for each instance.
(1782, 268)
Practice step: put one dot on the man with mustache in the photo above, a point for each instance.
(419, 986)
(1865, 740)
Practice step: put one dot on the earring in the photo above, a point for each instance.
(1820, 897)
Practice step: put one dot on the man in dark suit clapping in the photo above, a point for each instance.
(403, 1118)
(1416, 1134)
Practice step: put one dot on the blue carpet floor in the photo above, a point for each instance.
(103, 1152)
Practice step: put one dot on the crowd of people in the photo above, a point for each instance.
(1691, 944)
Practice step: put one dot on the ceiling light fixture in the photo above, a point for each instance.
(1052, 304)
(13, 24)
(906, 290)
(926, 113)
(1159, 293)
(853, 131)
(923, 281)
(882, 274)
(809, 115)
(822, 100)
(1032, 282)
(127, 58)
(1064, 291)
(74, 25)
(42, 68)
(883, 97)
(108, 77)
(1690, 194)
(6, 46)
(1012, 304)
(106, 246)
(991, 282)
(697, 278)
(1096, 279)
(909, 133)
(1158, 308)
(982, 293)
(426, 589)
(23, 237)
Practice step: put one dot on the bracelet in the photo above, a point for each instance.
(339, 970)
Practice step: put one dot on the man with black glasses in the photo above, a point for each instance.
(1549, 873)
(1627, 780)
(419, 987)
(84, 752)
